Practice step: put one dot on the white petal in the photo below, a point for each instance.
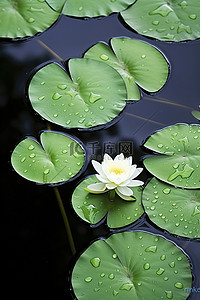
(119, 157)
(102, 178)
(133, 183)
(136, 173)
(97, 187)
(111, 186)
(127, 198)
(98, 167)
(125, 190)
(107, 157)
(132, 170)
(130, 160)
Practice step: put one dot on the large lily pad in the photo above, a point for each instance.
(91, 8)
(93, 207)
(179, 163)
(168, 20)
(94, 95)
(136, 61)
(174, 209)
(21, 18)
(132, 265)
(58, 158)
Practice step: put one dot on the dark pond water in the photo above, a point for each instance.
(37, 254)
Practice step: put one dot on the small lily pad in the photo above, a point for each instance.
(179, 163)
(22, 18)
(59, 158)
(94, 95)
(92, 208)
(167, 20)
(196, 114)
(136, 61)
(132, 265)
(91, 8)
(174, 209)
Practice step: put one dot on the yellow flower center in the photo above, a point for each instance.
(116, 170)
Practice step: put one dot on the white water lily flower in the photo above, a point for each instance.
(116, 174)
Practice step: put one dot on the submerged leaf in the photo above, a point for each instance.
(132, 265)
(136, 61)
(93, 207)
(21, 18)
(180, 163)
(174, 209)
(176, 20)
(94, 95)
(91, 8)
(58, 158)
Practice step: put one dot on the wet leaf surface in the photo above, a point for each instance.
(93, 207)
(180, 160)
(57, 159)
(173, 20)
(132, 265)
(174, 209)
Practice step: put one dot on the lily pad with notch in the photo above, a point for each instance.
(179, 162)
(91, 8)
(176, 210)
(92, 208)
(167, 20)
(58, 158)
(22, 18)
(139, 64)
(132, 265)
(94, 95)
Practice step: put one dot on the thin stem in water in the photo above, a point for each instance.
(66, 222)
(112, 194)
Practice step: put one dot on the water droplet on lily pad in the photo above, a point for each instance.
(46, 171)
(178, 285)
(162, 10)
(160, 271)
(166, 191)
(93, 97)
(88, 279)
(111, 276)
(95, 261)
(151, 249)
(56, 96)
(31, 20)
(104, 57)
(169, 294)
(31, 147)
(146, 266)
(126, 286)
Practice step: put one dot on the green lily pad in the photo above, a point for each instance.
(132, 265)
(94, 96)
(196, 114)
(22, 18)
(56, 4)
(91, 8)
(92, 208)
(174, 209)
(179, 163)
(58, 158)
(136, 61)
(167, 20)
